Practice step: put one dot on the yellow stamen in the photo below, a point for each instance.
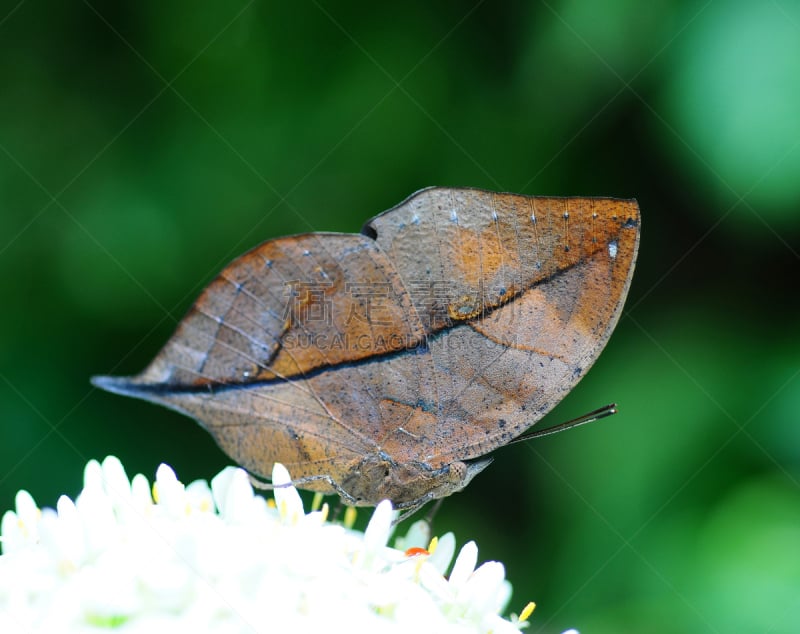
(324, 510)
(434, 543)
(317, 501)
(527, 611)
(271, 503)
(350, 516)
(155, 492)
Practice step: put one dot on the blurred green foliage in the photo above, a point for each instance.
(144, 145)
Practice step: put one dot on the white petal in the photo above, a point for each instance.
(376, 535)
(433, 581)
(219, 487)
(116, 485)
(141, 492)
(198, 494)
(480, 593)
(465, 564)
(443, 555)
(288, 500)
(28, 515)
(114, 476)
(377, 532)
(92, 475)
(25, 505)
(418, 536)
(280, 475)
(238, 501)
(11, 533)
(96, 514)
(502, 597)
(171, 492)
(64, 536)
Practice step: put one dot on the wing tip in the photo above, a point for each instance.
(116, 385)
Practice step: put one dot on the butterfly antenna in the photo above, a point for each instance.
(597, 414)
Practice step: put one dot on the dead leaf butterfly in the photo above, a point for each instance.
(388, 364)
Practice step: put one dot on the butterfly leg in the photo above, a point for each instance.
(348, 499)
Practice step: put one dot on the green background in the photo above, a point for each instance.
(144, 145)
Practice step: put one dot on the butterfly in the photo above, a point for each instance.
(389, 364)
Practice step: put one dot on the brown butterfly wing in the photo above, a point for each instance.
(485, 310)
(282, 310)
(250, 359)
(534, 286)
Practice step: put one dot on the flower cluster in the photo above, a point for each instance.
(136, 558)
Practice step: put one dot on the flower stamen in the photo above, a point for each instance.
(350, 515)
(527, 611)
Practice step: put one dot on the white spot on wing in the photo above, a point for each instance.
(415, 220)
(612, 249)
(454, 216)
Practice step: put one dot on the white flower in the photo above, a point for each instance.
(218, 558)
